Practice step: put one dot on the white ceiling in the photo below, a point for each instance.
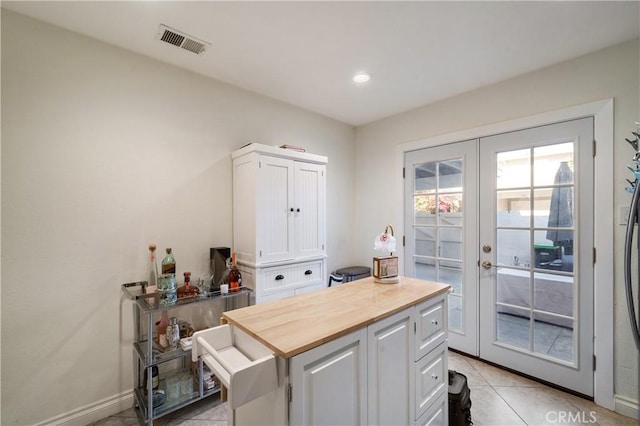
(305, 53)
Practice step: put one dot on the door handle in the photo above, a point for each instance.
(486, 264)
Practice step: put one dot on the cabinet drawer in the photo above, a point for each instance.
(274, 295)
(309, 288)
(431, 326)
(244, 366)
(431, 379)
(436, 415)
(299, 274)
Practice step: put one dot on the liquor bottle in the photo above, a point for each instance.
(152, 271)
(235, 278)
(173, 333)
(162, 329)
(187, 290)
(155, 378)
(169, 263)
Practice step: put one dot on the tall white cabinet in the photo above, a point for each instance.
(279, 220)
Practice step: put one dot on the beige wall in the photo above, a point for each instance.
(610, 73)
(103, 152)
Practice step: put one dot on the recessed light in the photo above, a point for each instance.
(361, 77)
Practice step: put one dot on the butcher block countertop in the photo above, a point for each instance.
(296, 324)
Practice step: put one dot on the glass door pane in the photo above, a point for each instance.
(438, 200)
(534, 249)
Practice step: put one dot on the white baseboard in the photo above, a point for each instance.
(93, 412)
(627, 407)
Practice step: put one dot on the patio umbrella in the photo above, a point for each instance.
(561, 209)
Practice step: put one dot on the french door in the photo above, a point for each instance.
(441, 218)
(519, 209)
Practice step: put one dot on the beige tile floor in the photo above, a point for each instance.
(502, 398)
(498, 398)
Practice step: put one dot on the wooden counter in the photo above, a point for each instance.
(296, 324)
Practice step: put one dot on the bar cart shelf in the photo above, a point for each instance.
(149, 354)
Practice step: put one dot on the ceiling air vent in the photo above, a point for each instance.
(181, 40)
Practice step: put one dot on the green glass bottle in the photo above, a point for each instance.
(169, 263)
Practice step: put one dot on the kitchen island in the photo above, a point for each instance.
(358, 353)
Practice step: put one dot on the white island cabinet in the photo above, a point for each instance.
(279, 220)
(357, 354)
(328, 383)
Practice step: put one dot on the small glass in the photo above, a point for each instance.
(204, 286)
(173, 388)
(186, 384)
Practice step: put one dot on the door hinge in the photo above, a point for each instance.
(403, 242)
(594, 363)
(260, 253)
(594, 147)
(403, 171)
(594, 255)
(415, 328)
(259, 164)
(323, 247)
(290, 391)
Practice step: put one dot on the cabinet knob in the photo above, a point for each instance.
(434, 322)
(434, 376)
(298, 210)
(279, 277)
(308, 272)
(291, 209)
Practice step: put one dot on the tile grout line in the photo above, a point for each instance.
(497, 393)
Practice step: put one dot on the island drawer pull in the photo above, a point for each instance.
(279, 277)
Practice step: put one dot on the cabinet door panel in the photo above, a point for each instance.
(309, 209)
(275, 236)
(329, 383)
(390, 370)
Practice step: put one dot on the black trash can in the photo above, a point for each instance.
(459, 400)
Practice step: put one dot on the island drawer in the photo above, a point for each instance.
(432, 379)
(431, 325)
(244, 366)
(436, 415)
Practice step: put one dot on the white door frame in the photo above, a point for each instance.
(602, 111)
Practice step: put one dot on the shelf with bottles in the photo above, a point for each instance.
(179, 388)
(160, 354)
(146, 309)
(150, 302)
